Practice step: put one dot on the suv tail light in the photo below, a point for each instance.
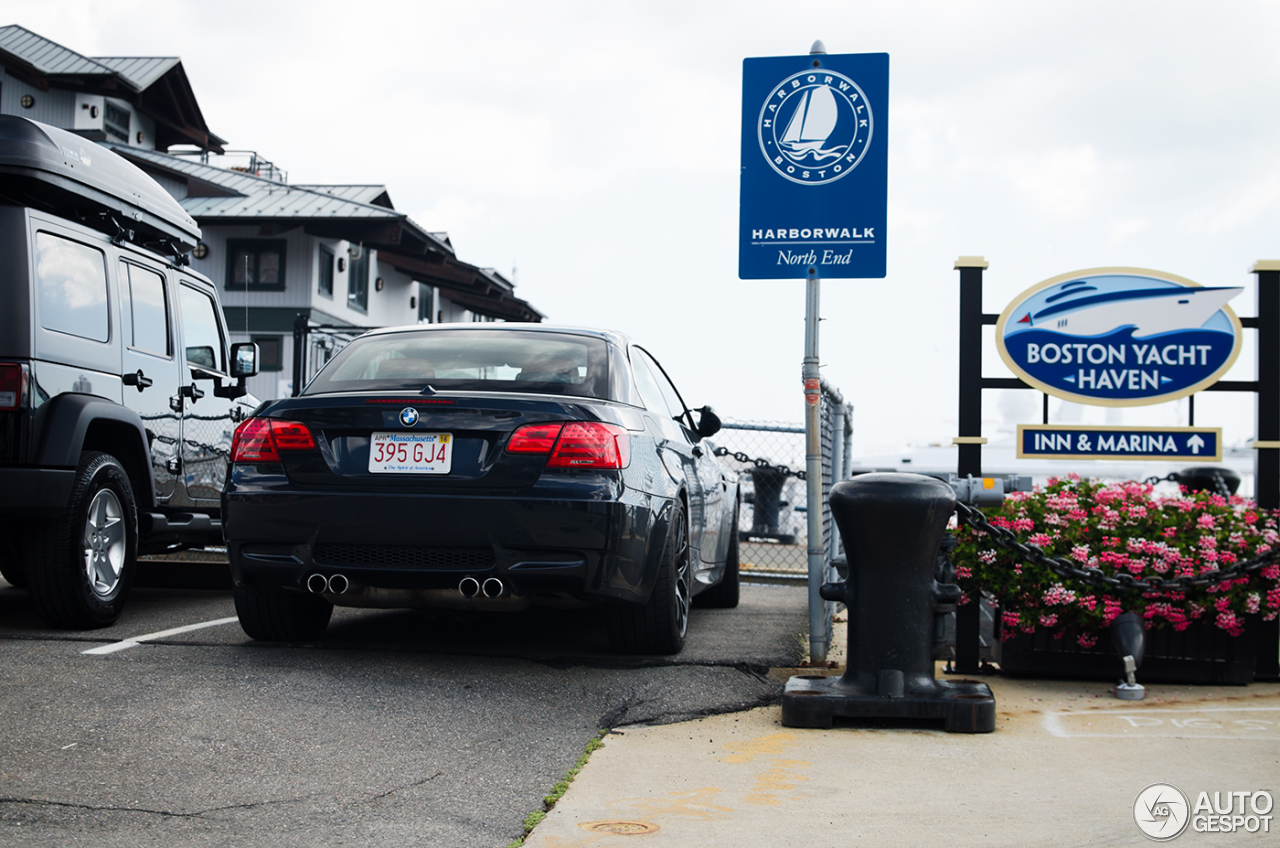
(262, 439)
(10, 385)
(575, 444)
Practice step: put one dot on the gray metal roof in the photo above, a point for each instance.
(258, 197)
(140, 71)
(46, 56)
(358, 193)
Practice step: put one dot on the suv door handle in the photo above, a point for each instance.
(139, 379)
(192, 391)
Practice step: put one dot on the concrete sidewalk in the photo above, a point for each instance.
(1063, 768)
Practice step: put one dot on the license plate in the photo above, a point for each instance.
(411, 453)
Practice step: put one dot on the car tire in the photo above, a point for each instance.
(659, 626)
(80, 568)
(11, 568)
(724, 595)
(281, 616)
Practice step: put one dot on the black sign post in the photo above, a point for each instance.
(1266, 444)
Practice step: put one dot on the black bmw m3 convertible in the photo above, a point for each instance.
(482, 467)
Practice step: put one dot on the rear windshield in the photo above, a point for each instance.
(470, 360)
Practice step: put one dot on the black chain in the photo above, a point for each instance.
(1094, 576)
(1220, 486)
(763, 464)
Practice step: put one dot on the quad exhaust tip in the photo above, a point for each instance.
(318, 584)
(469, 587)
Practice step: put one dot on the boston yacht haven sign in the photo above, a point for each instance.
(1120, 336)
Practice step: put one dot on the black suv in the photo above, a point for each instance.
(118, 392)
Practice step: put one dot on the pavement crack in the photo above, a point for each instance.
(415, 783)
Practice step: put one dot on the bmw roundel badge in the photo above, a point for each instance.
(408, 416)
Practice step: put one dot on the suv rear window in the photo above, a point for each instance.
(71, 281)
(470, 360)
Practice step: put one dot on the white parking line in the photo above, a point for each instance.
(134, 641)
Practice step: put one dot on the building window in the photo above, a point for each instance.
(270, 352)
(326, 271)
(255, 264)
(425, 301)
(115, 120)
(358, 281)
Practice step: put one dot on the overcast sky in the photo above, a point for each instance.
(595, 145)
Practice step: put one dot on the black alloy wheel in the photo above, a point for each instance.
(724, 595)
(659, 626)
(80, 568)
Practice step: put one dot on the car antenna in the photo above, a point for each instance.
(428, 390)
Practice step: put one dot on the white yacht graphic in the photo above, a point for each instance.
(811, 125)
(1074, 312)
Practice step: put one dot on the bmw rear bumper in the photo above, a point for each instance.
(587, 542)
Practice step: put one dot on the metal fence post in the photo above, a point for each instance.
(819, 621)
(969, 441)
(300, 327)
(1266, 460)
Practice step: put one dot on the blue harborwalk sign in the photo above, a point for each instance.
(1071, 441)
(1120, 336)
(815, 164)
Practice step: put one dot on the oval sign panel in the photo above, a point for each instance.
(1120, 336)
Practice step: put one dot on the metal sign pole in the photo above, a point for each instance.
(819, 625)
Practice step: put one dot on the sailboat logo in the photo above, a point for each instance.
(815, 127)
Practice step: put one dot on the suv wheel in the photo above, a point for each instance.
(80, 568)
(660, 625)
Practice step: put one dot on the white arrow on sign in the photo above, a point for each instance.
(1195, 443)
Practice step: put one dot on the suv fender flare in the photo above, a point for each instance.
(62, 424)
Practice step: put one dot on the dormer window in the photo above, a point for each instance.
(115, 121)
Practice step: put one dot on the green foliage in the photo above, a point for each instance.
(557, 792)
(1121, 528)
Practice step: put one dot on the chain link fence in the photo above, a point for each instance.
(769, 457)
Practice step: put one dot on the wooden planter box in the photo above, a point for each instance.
(1200, 654)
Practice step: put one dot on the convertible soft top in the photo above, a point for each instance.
(58, 171)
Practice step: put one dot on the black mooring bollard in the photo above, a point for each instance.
(892, 526)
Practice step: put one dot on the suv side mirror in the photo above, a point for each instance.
(708, 422)
(244, 359)
(244, 363)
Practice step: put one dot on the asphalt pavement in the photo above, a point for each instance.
(398, 728)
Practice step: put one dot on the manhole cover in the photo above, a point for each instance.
(620, 828)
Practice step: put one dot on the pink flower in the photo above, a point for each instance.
(1253, 603)
(1169, 532)
(1080, 553)
(1205, 520)
(1048, 620)
(1040, 539)
(964, 572)
(1087, 640)
(1229, 622)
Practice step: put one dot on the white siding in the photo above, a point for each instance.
(55, 107)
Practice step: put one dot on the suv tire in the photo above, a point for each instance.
(659, 627)
(281, 616)
(80, 568)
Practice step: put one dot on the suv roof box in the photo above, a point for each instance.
(58, 171)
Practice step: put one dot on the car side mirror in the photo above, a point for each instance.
(708, 422)
(244, 359)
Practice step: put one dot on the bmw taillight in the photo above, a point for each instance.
(575, 444)
(10, 385)
(262, 439)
